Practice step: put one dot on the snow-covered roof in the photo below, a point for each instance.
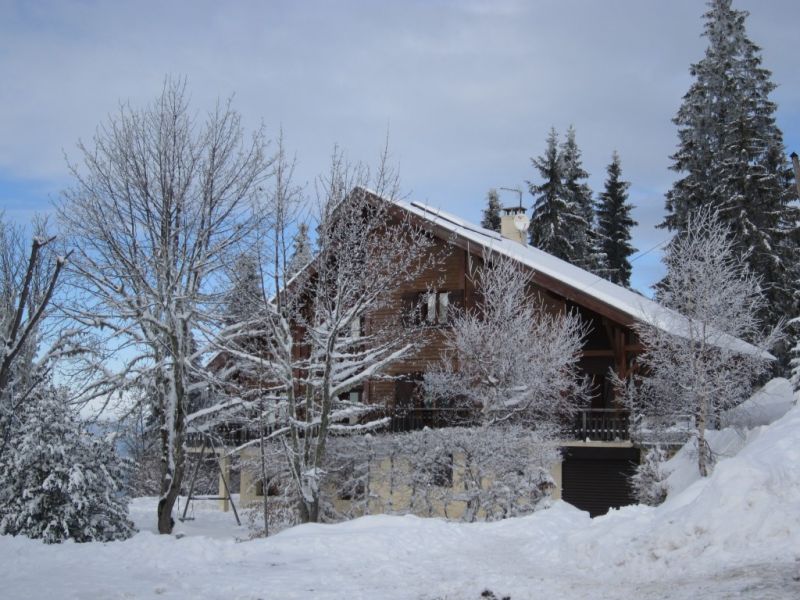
(615, 296)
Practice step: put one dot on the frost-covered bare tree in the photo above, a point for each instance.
(141, 446)
(365, 251)
(512, 358)
(702, 364)
(29, 274)
(323, 339)
(160, 202)
(258, 349)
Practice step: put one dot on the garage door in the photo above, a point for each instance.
(596, 479)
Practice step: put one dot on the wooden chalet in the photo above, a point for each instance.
(598, 454)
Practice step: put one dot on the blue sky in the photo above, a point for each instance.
(467, 90)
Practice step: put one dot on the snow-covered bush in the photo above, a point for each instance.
(649, 481)
(58, 482)
(504, 470)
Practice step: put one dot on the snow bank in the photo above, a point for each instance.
(742, 424)
(766, 406)
(746, 512)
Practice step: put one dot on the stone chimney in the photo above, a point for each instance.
(514, 224)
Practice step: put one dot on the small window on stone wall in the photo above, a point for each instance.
(442, 471)
(272, 489)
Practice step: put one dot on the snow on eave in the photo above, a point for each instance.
(638, 307)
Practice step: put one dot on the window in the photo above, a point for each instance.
(354, 396)
(350, 483)
(431, 308)
(436, 307)
(357, 327)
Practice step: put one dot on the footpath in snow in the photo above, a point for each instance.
(735, 534)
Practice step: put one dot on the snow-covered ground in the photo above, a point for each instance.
(735, 534)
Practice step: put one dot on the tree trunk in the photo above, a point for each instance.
(171, 455)
(171, 489)
(702, 462)
(313, 510)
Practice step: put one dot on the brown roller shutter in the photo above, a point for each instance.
(596, 479)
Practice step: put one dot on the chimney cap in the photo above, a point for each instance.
(514, 210)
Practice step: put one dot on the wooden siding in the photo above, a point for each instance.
(610, 342)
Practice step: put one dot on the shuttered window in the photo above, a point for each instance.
(431, 308)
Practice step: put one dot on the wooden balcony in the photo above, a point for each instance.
(602, 425)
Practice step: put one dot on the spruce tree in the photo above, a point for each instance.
(244, 299)
(563, 215)
(301, 251)
(491, 214)
(731, 157)
(614, 224)
(551, 229)
(586, 248)
(58, 482)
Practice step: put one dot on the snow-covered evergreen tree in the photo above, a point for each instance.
(301, 250)
(587, 251)
(245, 298)
(563, 215)
(794, 329)
(58, 482)
(614, 223)
(550, 228)
(491, 214)
(731, 156)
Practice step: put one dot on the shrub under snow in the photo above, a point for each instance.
(58, 482)
(649, 482)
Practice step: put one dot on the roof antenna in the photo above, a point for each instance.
(517, 190)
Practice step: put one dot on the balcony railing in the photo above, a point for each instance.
(663, 430)
(602, 425)
(414, 419)
(593, 424)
